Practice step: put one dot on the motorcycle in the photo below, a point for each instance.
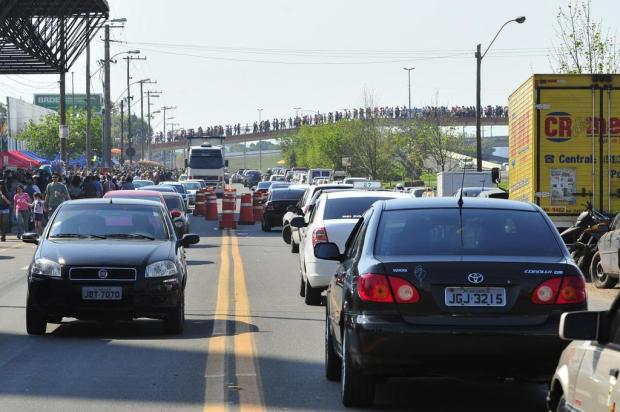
(582, 238)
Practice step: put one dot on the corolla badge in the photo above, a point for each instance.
(475, 278)
(103, 274)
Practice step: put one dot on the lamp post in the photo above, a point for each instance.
(260, 144)
(297, 109)
(409, 70)
(479, 56)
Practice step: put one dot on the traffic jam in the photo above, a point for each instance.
(425, 287)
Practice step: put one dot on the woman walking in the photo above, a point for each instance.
(21, 200)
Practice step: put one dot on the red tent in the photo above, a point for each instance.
(13, 158)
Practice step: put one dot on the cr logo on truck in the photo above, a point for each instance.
(558, 127)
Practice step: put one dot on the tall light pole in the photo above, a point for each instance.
(479, 56)
(297, 109)
(130, 149)
(150, 94)
(409, 70)
(148, 81)
(260, 143)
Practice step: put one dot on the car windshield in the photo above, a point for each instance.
(496, 232)
(207, 162)
(109, 221)
(192, 185)
(287, 194)
(173, 203)
(348, 207)
(264, 185)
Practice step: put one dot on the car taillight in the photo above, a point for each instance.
(319, 235)
(372, 287)
(562, 290)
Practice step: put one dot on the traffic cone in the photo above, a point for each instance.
(246, 215)
(229, 205)
(257, 201)
(211, 212)
(199, 207)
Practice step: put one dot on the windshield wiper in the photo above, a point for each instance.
(131, 236)
(77, 235)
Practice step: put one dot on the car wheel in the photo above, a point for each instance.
(357, 389)
(173, 324)
(333, 366)
(286, 234)
(312, 295)
(561, 404)
(302, 287)
(294, 247)
(600, 279)
(36, 320)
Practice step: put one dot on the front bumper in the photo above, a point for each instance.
(388, 346)
(151, 298)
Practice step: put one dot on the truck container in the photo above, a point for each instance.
(449, 183)
(564, 148)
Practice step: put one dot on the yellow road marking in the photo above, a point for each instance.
(217, 343)
(250, 398)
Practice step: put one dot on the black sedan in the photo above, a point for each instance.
(178, 212)
(102, 259)
(276, 206)
(428, 288)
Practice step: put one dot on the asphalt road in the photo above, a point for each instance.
(250, 344)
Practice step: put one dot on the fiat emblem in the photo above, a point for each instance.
(475, 278)
(103, 274)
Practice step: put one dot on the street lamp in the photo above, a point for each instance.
(409, 70)
(297, 109)
(479, 58)
(260, 143)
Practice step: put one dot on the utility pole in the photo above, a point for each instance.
(150, 94)
(142, 137)
(64, 131)
(409, 70)
(72, 92)
(164, 109)
(478, 56)
(122, 131)
(107, 111)
(88, 106)
(260, 144)
(130, 152)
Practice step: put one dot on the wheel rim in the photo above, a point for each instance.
(600, 274)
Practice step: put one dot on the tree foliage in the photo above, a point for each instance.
(584, 45)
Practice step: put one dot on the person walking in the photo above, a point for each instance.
(5, 212)
(21, 200)
(55, 194)
(37, 210)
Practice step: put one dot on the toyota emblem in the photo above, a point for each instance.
(103, 274)
(475, 278)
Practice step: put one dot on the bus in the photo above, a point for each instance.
(206, 162)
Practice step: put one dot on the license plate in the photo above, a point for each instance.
(102, 293)
(461, 296)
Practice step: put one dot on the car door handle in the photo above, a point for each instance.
(614, 372)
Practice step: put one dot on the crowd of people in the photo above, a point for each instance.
(29, 197)
(276, 124)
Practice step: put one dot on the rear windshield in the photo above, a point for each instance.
(479, 232)
(292, 194)
(264, 185)
(348, 208)
(173, 203)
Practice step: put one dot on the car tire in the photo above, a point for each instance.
(357, 389)
(302, 287)
(294, 247)
(312, 296)
(174, 322)
(561, 407)
(333, 364)
(286, 234)
(600, 279)
(36, 320)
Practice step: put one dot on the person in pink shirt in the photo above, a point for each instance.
(21, 200)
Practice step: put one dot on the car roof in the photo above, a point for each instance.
(155, 188)
(288, 189)
(451, 202)
(115, 201)
(172, 194)
(133, 193)
(366, 193)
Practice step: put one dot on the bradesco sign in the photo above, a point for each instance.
(52, 101)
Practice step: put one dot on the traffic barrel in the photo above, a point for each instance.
(211, 212)
(246, 214)
(257, 202)
(199, 207)
(229, 205)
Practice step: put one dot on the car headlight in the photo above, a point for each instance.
(46, 267)
(161, 269)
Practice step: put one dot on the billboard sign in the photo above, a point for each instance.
(52, 101)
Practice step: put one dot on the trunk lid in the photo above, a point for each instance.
(338, 230)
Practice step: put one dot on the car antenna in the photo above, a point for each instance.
(460, 202)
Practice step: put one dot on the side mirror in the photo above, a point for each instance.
(189, 239)
(175, 213)
(30, 238)
(186, 163)
(327, 251)
(298, 222)
(581, 325)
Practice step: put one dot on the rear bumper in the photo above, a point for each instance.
(390, 347)
(320, 272)
(273, 219)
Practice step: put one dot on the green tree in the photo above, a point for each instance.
(43, 138)
(584, 46)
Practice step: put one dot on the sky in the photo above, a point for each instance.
(220, 61)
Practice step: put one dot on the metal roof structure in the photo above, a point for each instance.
(46, 36)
